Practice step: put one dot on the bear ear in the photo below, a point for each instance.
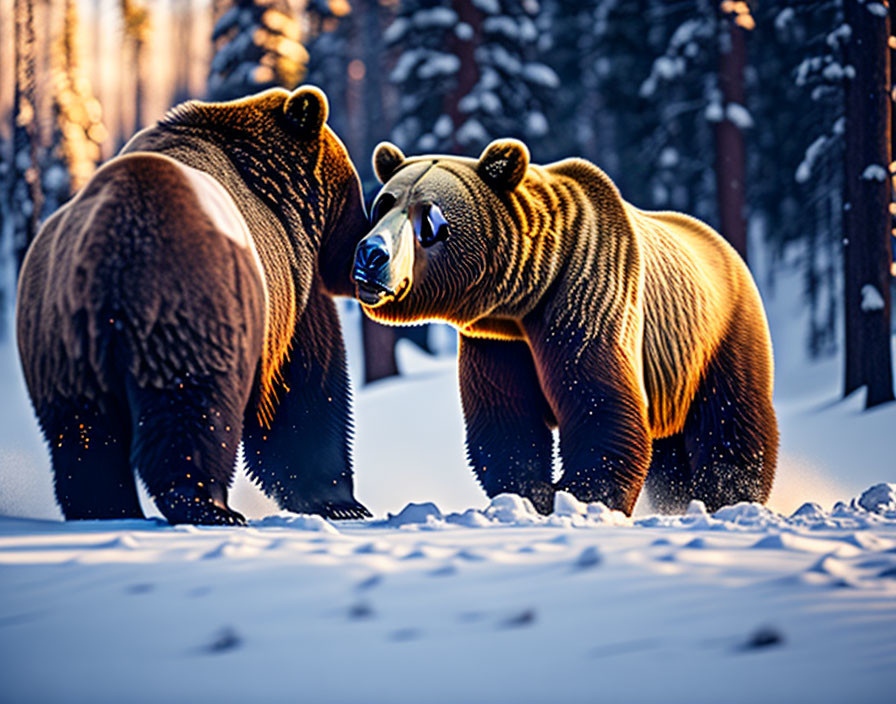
(386, 160)
(503, 164)
(307, 109)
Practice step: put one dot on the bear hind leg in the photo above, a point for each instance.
(669, 484)
(89, 447)
(184, 448)
(731, 433)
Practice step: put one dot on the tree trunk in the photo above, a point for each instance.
(183, 33)
(27, 191)
(729, 138)
(379, 350)
(866, 219)
(468, 73)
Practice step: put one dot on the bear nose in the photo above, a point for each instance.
(373, 254)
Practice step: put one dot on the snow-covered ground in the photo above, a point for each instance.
(470, 601)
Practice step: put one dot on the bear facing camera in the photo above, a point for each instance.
(180, 304)
(639, 335)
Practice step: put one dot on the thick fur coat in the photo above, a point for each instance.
(640, 334)
(179, 303)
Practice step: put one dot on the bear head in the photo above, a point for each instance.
(438, 244)
(289, 157)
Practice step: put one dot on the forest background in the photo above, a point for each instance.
(770, 120)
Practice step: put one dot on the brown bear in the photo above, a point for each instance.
(179, 303)
(641, 335)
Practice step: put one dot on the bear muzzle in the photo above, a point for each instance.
(384, 259)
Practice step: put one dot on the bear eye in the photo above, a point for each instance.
(431, 226)
(382, 205)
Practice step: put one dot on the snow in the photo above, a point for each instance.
(813, 153)
(443, 126)
(874, 172)
(501, 25)
(714, 111)
(488, 7)
(877, 9)
(739, 115)
(464, 32)
(141, 612)
(434, 17)
(784, 18)
(472, 132)
(536, 124)
(405, 64)
(396, 30)
(871, 299)
(668, 157)
(438, 64)
(839, 36)
(541, 75)
(489, 102)
(833, 72)
(447, 596)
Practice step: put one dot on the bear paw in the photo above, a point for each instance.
(541, 494)
(186, 504)
(344, 510)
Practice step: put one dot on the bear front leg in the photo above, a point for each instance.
(604, 440)
(303, 460)
(509, 441)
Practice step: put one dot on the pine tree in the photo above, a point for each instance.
(468, 73)
(867, 196)
(683, 85)
(135, 34)
(182, 17)
(733, 22)
(796, 183)
(568, 42)
(78, 131)
(328, 57)
(25, 185)
(258, 45)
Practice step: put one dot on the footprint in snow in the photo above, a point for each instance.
(520, 620)
(761, 638)
(402, 635)
(360, 611)
(225, 640)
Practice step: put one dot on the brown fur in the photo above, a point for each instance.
(632, 307)
(186, 265)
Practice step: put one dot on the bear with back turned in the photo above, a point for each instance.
(640, 335)
(179, 304)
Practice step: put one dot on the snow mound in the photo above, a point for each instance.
(295, 521)
(880, 498)
(876, 507)
(413, 514)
